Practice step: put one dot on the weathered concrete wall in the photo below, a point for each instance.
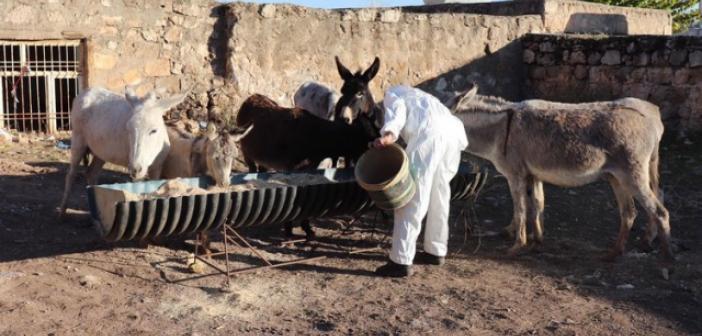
(665, 70)
(587, 17)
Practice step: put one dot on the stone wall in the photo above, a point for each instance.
(223, 53)
(439, 48)
(277, 48)
(171, 44)
(666, 70)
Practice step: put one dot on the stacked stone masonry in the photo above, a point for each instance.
(662, 69)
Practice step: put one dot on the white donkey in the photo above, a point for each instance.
(316, 98)
(124, 130)
(320, 100)
(211, 154)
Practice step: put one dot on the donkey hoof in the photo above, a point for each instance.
(611, 256)
(143, 244)
(310, 235)
(536, 247)
(516, 250)
(645, 246)
(666, 271)
(507, 234)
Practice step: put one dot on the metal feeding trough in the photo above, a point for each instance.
(130, 211)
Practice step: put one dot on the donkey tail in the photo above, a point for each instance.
(86, 157)
(654, 176)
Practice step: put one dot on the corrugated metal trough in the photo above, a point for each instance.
(117, 217)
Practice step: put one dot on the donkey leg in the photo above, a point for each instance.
(78, 150)
(536, 209)
(288, 229)
(508, 231)
(253, 168)
(655, 209)
(652, 227)
(205, 244)
(627, 214)
(309, 232)
(517, 188)
(94, 170)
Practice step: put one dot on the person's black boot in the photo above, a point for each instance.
(429, 259)
(394, 270)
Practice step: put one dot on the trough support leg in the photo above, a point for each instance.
(229, 235)
(226, 250)
(251, 247)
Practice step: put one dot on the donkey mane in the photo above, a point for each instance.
(484, 104)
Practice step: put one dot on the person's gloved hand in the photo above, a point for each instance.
(385, 140)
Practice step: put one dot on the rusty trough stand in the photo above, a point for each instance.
(230, 237)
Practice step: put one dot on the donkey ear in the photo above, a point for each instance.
(131, 96)
(343, 71)
(166, 104)
(372, 70)
(150, 97)
(461, 97)
(240, 133)
(211, 131)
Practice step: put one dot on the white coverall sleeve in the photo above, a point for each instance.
(395, 118)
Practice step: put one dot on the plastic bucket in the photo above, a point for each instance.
(384, 173)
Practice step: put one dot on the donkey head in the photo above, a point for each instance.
(146, 130)
(356, 97)
(220, 152)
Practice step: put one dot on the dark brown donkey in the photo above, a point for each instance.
(286, 139)
(356, 98)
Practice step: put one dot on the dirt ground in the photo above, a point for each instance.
(61, 279)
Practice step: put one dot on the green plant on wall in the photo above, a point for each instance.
(684, 12)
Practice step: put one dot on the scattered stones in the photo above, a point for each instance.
(390, 16)
(695, 59)
(174, 34)
(611, 57)
(366, 15)
(641, 59)
(678, 57)
(160, 67)
(10, 275)
(150, 35)
(529, 56)
(580, 72)
(196, 267)
(268, 11)
(625, 286)
(5, 136)
(578, 57)
(594, 58)
(20, 138)
(104, 61)
(89, 281)
(441, 84)
(547, 47)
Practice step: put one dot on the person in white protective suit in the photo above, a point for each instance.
(435, 139)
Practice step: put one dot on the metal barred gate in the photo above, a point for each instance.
(38, 81)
